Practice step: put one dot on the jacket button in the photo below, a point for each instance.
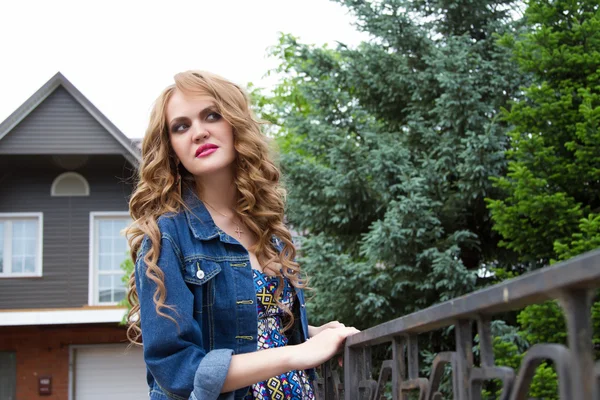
(200, 274)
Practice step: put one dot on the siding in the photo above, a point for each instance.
(60, 125)
(25, 187)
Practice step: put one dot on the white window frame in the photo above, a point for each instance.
(65, 175)
(92, 278)
(40, 245)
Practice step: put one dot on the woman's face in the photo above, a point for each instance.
(201, 138)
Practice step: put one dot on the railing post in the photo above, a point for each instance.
(486, 354)
(576, 304)
(464, 352)
(486, 348)
(413, 357)
(331, 382)
(399, 367)
(357, 370)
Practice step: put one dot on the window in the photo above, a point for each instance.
(20, 245)
(109, 249)
(70, 184)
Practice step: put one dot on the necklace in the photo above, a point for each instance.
(238, 231)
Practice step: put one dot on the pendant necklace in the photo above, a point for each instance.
(238, 231)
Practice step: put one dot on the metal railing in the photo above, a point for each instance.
(573, 283)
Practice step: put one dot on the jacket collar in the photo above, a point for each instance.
(198, 218)
(202, 225)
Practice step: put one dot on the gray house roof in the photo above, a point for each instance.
(53, 87)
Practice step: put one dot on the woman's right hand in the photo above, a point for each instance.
(248, 368)
(321, 347)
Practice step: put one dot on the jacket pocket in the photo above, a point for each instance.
(198, 274)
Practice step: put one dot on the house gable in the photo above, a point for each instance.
(57, 132)
(58, 119)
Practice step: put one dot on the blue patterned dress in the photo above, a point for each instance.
(293, 385)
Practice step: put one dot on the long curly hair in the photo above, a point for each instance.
(260, 197)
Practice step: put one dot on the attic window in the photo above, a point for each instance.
(70, 184)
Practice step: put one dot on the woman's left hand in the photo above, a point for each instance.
(315, 330)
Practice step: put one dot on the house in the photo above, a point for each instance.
(66, 175)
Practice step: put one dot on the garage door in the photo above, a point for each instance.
(109, 372)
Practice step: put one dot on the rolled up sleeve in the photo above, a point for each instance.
(173, 351)
(211, 374)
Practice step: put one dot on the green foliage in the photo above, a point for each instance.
(501, 274)
(387, 152)
(554, 165)
(552, 183)
(391, 149)
(529, 213)
(506, 354)
(539, 324)
(508, 347)
(586, 239)
(545, 383)
(127, 266)
(596, 328)
(543, 323)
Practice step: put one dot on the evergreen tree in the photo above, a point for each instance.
(388, 149)
(551, 211)
(553, 185)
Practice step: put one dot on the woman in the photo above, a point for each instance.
(217, 296)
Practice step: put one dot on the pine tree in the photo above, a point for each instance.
(553, 185)
(552, 204)
(387, 151)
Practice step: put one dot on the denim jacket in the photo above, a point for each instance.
(208, 281)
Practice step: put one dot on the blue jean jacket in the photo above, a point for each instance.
(208, 281)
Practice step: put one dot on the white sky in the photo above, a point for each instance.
(121, 53)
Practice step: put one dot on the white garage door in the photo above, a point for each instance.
(109, 372)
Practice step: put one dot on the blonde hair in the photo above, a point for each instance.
(260, 197)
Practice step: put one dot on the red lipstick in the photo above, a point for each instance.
(206, 149)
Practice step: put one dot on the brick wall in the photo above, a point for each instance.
(44, 350)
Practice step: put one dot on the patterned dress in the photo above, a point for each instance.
(293, 385)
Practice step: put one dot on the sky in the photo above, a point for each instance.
(121, 54)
